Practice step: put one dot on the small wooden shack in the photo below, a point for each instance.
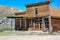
(37, 17)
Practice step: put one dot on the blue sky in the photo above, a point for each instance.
(20, 4)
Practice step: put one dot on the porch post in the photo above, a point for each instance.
(50, 27)
(20, 22)
(6, 23)
(34, 25)
(25, 23)
(43, 24)
(39, 24)
(31, 21)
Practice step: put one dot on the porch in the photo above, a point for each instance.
(32, 23)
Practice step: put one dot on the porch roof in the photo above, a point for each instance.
(25, 16)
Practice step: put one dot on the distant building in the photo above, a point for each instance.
(37, 17)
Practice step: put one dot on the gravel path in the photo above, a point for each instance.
(30, 37)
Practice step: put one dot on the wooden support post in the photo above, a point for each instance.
(50, 27)
(20, 22)
(34, 25)
(31, 21)
(39, 26)
(15, 23)
(6, 22)
(25, 23)
(43, 24)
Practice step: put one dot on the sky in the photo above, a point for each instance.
(20, 4)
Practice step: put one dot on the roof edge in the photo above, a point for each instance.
(39, 3)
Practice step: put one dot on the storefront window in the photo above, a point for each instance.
(46, 22)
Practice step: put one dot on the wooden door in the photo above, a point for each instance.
(37, 26)
(22, 24)
(17, 24)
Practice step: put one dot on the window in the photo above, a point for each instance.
(36, 20)
(46, 22)
(36, 11)
(40, 20)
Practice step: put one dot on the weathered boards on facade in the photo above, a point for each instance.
(36, 17)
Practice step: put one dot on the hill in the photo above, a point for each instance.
(6, 11)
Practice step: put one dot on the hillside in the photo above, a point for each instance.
(7, 11)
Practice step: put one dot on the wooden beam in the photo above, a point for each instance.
(20, 22)
(31, 21)
(25, 23)
(39, 26)
(43, 26)
(50, 27)
(6, 23)
(34, 26)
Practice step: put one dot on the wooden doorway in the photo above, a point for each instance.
(17, 24)
(20, 24)
(38, 26)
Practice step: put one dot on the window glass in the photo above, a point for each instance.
(46, 22)
(36, 11)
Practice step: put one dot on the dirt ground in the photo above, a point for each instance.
(31, 37)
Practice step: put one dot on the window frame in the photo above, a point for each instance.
(36, 11)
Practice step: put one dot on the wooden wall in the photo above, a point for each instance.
(42, 10)
(17, 24)
(55, 24)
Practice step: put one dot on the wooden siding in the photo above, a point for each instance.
(42, 10)
(55, 24)
(55, 12)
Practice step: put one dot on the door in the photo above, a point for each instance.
(37, 26)
(22, 25)
(17, 24)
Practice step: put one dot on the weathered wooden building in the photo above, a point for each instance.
(36, 17)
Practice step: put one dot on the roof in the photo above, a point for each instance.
(36, 4)
(23, 16)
